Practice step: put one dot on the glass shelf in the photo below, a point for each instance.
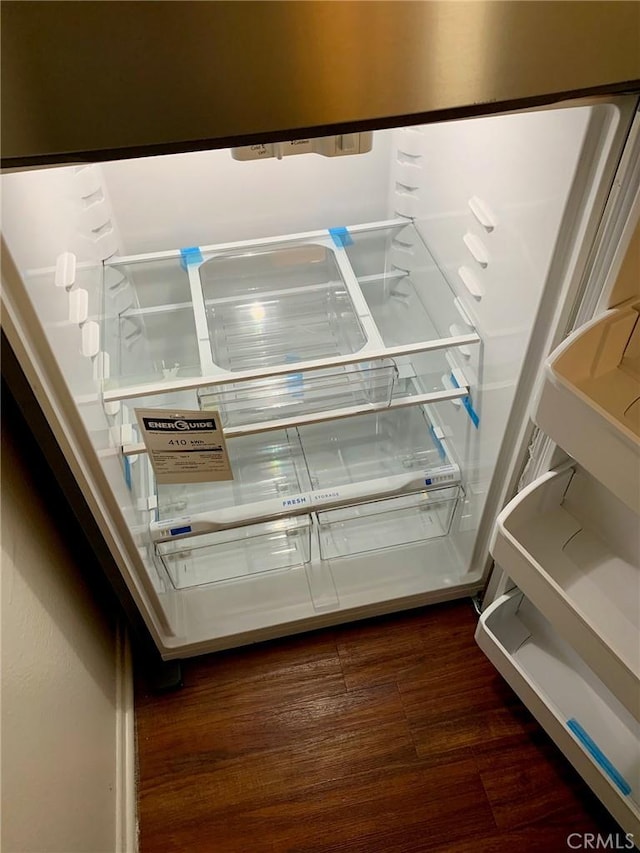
(260, 310)
(369, 447)
(292, 472)
(265, 467)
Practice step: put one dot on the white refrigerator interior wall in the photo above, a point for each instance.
(207, 197)
(59, 694)
(502, 202)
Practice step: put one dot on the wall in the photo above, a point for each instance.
(60, 691)
(208, 197)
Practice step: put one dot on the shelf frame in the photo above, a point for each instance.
(446, 394)
(213, 375)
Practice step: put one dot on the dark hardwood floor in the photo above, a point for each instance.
(393, 735)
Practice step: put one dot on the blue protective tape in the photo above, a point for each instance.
(127, 472)
(190, 255)
(295, 381)
(176, 531)
(439, 445)
(466, 402)
(341, 237)
(598, 756)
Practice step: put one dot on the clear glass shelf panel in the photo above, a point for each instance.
(258, 307)
(408, 296)
(148, 322)
(264, 467)
(367, 447)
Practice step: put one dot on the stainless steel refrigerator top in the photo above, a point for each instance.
(97, 80)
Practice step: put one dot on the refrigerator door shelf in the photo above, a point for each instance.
(593, 379)
(255, 310)
(572, 548)
(558, 687)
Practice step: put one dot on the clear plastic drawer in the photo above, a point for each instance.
(386, 523)
(241, 552)
(299, 394)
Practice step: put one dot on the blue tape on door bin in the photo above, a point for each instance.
(466, 402)
(190, 255)
(127, 472)
(176, 531)
(598, 756)
(341, 237)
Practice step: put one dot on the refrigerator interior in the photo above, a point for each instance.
(369, 328)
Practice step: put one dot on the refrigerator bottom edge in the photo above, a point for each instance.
(234, 629)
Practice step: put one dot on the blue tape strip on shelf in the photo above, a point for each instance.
(341, 237)
(598, 756)
(176, 531)
(127, 471)
(466, 402)
(439, 445)
(295, 381)
(190, 255)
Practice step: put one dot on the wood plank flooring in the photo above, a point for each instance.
(394, 735)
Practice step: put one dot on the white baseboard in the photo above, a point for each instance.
(126, 813)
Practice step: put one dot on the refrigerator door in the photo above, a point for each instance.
(585, 719)
(572, 549)
(96, 81)
(566, 635)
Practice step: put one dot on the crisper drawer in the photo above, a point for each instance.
(589, 725)
(241, 552)
(272, 305)
(589, 401)
(572, 548)
(389, 523)
(297, 395)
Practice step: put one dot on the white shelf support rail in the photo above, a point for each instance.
(239, 245)
(374, 338)
(302, 503)
(225, 377)
(200, 318)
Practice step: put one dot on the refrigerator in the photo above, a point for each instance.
(307, 378)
